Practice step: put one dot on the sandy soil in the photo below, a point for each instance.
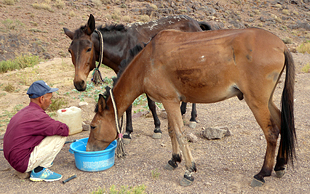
(224, 166)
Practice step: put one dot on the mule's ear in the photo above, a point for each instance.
(68, 33)
(90, 25)
(101, 103)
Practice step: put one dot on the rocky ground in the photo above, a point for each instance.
(37, 27)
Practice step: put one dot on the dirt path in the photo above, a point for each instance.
(224, 166)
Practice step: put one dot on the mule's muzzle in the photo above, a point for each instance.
(80, 85)
(96, 146)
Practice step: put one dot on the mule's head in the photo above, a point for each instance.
(83, 51)
(103, 128)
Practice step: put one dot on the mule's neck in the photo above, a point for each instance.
(128, 88)
(115, 48)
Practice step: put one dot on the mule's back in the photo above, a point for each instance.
(144, 32)
(214, 64)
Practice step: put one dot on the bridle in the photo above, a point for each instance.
(97, 78)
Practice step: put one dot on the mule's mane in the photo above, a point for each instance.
(113, 28)
(106, 95)
(133, 52)
(79, 32)
(124, 63)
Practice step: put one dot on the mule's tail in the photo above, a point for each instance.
(288, 134)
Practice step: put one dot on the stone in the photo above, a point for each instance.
(215, 132)
(192, 138)
(83, 104)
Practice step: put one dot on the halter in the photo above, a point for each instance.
(97, 78)
(120, 150)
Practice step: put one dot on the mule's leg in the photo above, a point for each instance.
(281, 160)
(194, 113)
(157, 131)
(192, 120)
(129, 129)
(183, 108)
(175, 128)
(271, 131)
(176, 155)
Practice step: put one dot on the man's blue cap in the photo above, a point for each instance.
(39, 88)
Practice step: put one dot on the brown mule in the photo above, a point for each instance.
(207, 67)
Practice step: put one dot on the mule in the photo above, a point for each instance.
(207, 67)
(118, 41)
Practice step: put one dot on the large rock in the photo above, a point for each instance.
(215, 132)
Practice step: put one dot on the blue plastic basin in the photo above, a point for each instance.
(92, 161)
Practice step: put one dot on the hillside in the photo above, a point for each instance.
(36, 27)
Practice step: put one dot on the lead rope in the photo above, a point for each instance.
(97, 78)
(120, 150)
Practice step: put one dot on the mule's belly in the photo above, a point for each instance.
(196, 85)
(205, 77)
(204, 90)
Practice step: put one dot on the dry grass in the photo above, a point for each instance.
(286, 11)
(9, 88)
(9, 2)
(126, 19)
(304, 48)
(72, 14)
(106, 1)
(97, 3)
(306, 68)
(144, 18)
(44, 6)
(116, 15)
(153, 6)
(59, 4)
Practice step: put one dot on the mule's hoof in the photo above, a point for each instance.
(156, 136)
(186, 182)
(280, 173)
(192, 124)
(169, 167)
(257, 183)
(126, 141)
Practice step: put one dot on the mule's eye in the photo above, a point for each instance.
(88, 50)
(92, 127)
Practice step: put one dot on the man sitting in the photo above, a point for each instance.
(33, 139)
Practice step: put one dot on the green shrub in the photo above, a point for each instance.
(306, 68)
(12, 24)
(155, 174)
(19, 62)
(57, 103)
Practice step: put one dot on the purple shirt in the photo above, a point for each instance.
(25, 131)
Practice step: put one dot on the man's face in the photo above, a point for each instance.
(47, 100)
